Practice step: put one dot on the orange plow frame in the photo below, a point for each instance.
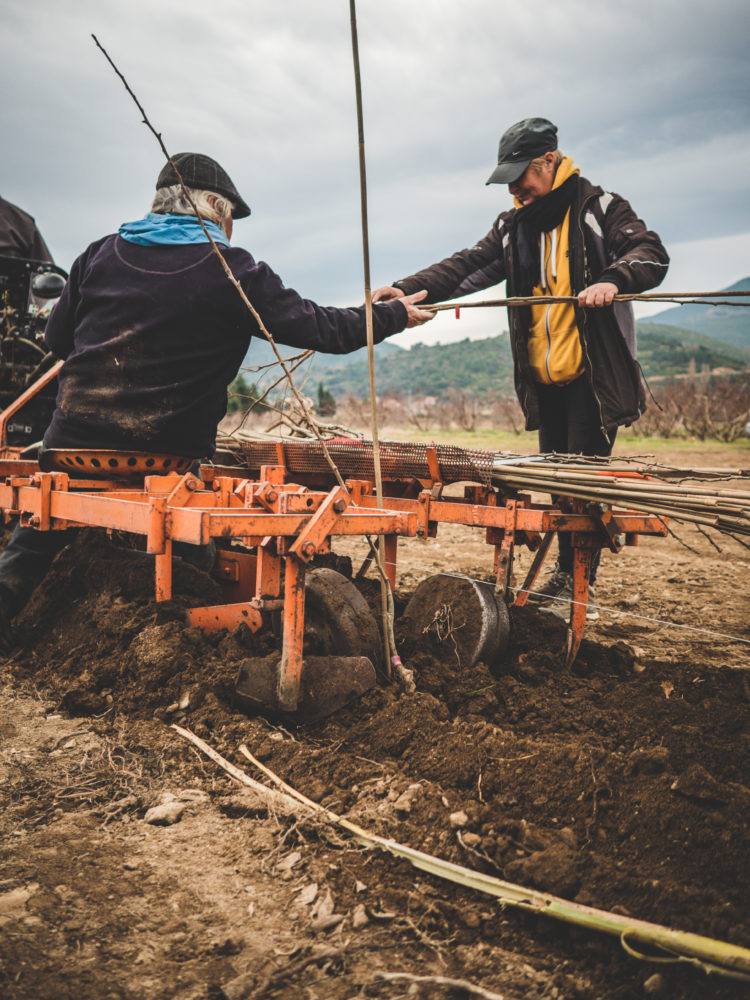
(289, 523)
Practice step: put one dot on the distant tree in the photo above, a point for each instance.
(326, 405)
(243, 394)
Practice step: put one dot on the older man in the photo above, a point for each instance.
(575, 371)
(152, 332)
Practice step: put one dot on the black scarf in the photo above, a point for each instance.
(529, 222)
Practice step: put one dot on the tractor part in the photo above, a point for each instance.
(463, 612)
(327, 683)
(102, 464)
(338, 618)
(335, 665)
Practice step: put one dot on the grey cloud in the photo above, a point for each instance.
(650, 99)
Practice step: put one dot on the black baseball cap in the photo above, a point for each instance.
(201, 172)
(522, 143)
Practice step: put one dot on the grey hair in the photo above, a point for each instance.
(172, 201)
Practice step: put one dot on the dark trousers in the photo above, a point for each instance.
(570, 424)
(28, 555)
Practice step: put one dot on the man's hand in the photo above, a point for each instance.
(416, 316)
(599, 294)
(386, 293)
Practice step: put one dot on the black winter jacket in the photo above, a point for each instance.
(153, 335)
(607, 242)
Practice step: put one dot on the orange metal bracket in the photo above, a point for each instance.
(504, 552)
(227, 616)
(311, 537)
(528, 584)
(581, 576)
(290, 670)
(23, 399)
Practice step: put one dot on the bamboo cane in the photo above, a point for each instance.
(711, 956)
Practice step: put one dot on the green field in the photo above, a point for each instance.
(526, 443)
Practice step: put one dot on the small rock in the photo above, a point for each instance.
(241, 987)
(13, 903)
(654, 985)
(651, 760)
(471, 839)
(696, 783)
(322, 910)
(458, 820)
(359, 917)
(568, 837)
(552, 870)
(130, 866)
(290, 861)
(193, 795)
(404, 802)
(359, 886)
(326, 923)
(166, 814)
(307, 895)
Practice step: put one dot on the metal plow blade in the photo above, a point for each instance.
(328, 683)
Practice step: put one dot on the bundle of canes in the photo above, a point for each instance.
(688, 495)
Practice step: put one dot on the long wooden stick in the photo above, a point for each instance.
(711, 956)
(681, 298)
(386, 598)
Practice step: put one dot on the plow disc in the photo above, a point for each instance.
(341, 646)
(463, 612)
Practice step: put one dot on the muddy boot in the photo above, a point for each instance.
(557, 583)
(559, 605)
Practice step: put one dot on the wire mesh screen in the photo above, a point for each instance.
(354, 459)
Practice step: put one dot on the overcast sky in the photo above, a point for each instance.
(651, 99)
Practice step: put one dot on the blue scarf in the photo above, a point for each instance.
(159, 230)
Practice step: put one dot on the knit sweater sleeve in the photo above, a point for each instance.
(60, 328)
(298, 322)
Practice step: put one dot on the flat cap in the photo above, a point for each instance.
(201, 172)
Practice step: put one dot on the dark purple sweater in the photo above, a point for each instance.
(152, 337)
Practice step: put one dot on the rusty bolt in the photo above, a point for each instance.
(339, 505)
(272, 496)
(191, 484)
(308, 549)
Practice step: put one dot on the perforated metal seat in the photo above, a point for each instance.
(111, 464)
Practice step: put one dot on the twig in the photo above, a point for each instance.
(454, 984)
(274, 979)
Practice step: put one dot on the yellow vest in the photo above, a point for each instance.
(555, 353)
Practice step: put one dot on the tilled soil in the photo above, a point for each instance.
(622, 783)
